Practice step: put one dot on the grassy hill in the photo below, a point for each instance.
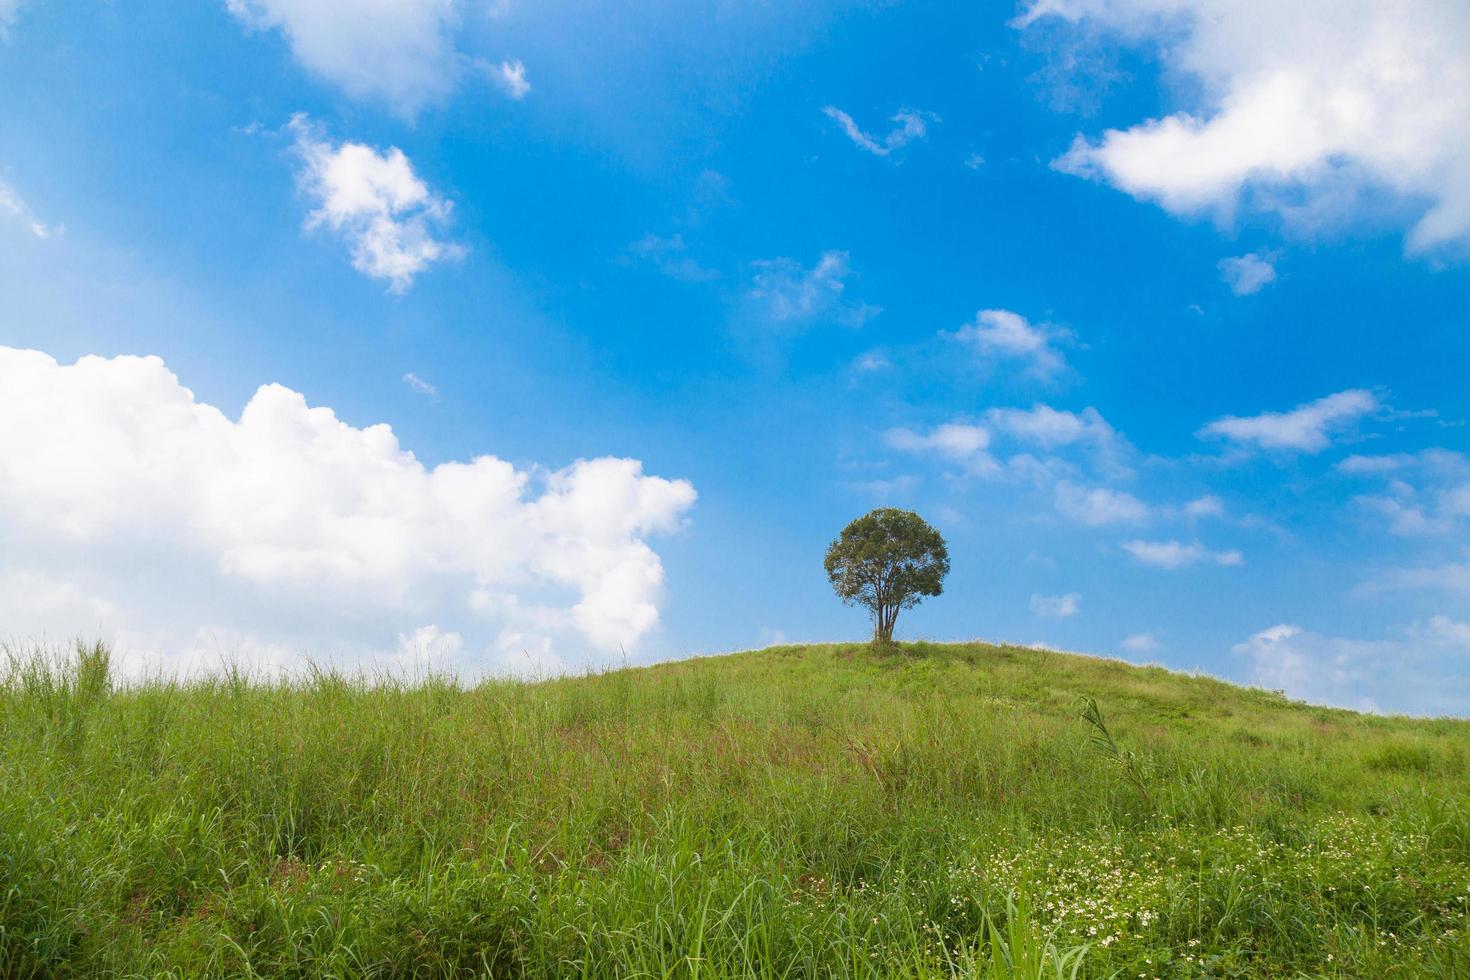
(815, 811)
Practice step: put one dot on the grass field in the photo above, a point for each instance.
(816, 811)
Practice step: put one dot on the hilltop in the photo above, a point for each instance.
(801, 811)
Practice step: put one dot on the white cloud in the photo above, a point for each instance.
(135, 510)
(787, 293)
(1056, 606)
(1301, 108)
(429, 647)
(1247, 274)
(1055, 452)
(419, 385)
(1450, 577)
(871, 361)
(1175, 554)
(1356, 465)
(13, 204)
(8, 11)
(960, 442)
(1435, 506)
(896, 487)
(671, 257)
(1369, 675)
(1141, 643)
(1206, 506)
(1053, 429)
(1099, 506)
(1007, 335)
(1407, 511)
(511, 77)
(1440, 462)
(399, 52)
(910, 125)
(376, 203)
(1306, 428)
(954, 439)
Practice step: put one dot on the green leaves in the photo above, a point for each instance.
(887, 560)
(1102, 739)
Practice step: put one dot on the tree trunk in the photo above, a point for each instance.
(883, 622)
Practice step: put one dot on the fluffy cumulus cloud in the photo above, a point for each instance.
(134, 510)
(1307, 428)
(376, 203)
(908, 126)
(1176, 554)
(1373, 675)
(398, 52)
(1304, 109)
(1004, 335)
(1248, 274)
(783, 292)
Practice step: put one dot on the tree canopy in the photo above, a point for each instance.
(887, 560)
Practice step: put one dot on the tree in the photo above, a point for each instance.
(887, 560)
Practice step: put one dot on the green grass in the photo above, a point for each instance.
(816, 811)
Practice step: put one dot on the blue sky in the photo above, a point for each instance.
(1155, 307)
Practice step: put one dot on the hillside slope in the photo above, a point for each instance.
(794, 812)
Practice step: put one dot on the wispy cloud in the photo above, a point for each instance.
(910, 125)
(1056, 606)
(419, 385)
(1307, 428)
(510, 76)
(1451, 578)
(1366, 674)
(1175, 554)
(1002, 334)
(13, 204)
(670, 256)
(400, 53)
(1206, 506)
(1425, 493)
(1098, 506)
(1140, 643)
(8, 10)
(957, 441)
(785, 292)
(1051, 429)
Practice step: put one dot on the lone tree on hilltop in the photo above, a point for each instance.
(887, 560)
